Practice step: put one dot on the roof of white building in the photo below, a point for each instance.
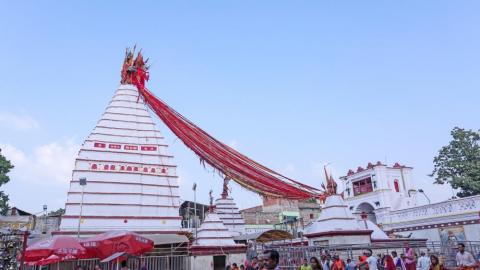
(377, 233)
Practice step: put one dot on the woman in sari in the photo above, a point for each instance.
(435, 263)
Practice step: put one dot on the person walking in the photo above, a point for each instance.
(325, 263)
(350, 265)
(362, 262)
(315, 264)
(465, 260)
(271, 259)
(399, 265)
(388, 263)
(423, 262)
(410, 263)
(254, 264)
(435, 263)
(338, 264)
(372, 260)
(305, 265)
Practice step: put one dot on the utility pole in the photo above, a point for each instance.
(83, 183)
(44, 229)
(195, 208)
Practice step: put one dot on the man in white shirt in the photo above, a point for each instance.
(372, 261)
(423, 262)
(464, 258)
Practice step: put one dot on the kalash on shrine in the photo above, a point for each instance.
(133, 185)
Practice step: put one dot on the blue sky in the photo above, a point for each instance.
(292, 84)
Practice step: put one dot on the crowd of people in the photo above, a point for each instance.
(408, 260)
(269, 260)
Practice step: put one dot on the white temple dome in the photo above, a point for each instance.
(335, 217)
(213, 232)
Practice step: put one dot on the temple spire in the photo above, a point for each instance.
(331, 188)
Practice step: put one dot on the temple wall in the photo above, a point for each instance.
(339, 240)
(470, 232)
(106, 224)
(206, 262)
(459, 217)
(260, 217)
(201, 262)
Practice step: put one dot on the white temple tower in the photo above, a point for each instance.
(228, 212)
(336, 225)
(131, 179)
(214, 247)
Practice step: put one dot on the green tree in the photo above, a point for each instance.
(458, 163)
(5, 167)
(59, 211)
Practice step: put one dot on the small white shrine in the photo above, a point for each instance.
(336, 224)
(214, 247)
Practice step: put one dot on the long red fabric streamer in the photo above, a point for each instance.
(228, 161)
(225, 159)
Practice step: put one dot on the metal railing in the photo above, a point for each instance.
(291, 257)
(151, 262)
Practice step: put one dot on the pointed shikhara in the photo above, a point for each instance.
(228, 212)
(214, 238)
(131, 179)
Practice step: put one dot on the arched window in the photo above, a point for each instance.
(122, 168)
(105, 167)
(397, 186)
(145, 169)
(112, 167)
(152, 170)
(129, 169)
(94, 166)
(164, 170)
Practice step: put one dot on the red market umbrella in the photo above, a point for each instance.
(51, 259)
(106, 244)
(62, 246)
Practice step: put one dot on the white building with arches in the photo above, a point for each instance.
(379, 186)
(387, 195)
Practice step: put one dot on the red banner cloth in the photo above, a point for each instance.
(225, 159)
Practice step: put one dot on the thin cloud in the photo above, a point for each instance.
(51, 164)
(18, 121)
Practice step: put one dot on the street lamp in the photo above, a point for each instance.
(194, 188)
(83, 183)
(423, 192)
(44, 231)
